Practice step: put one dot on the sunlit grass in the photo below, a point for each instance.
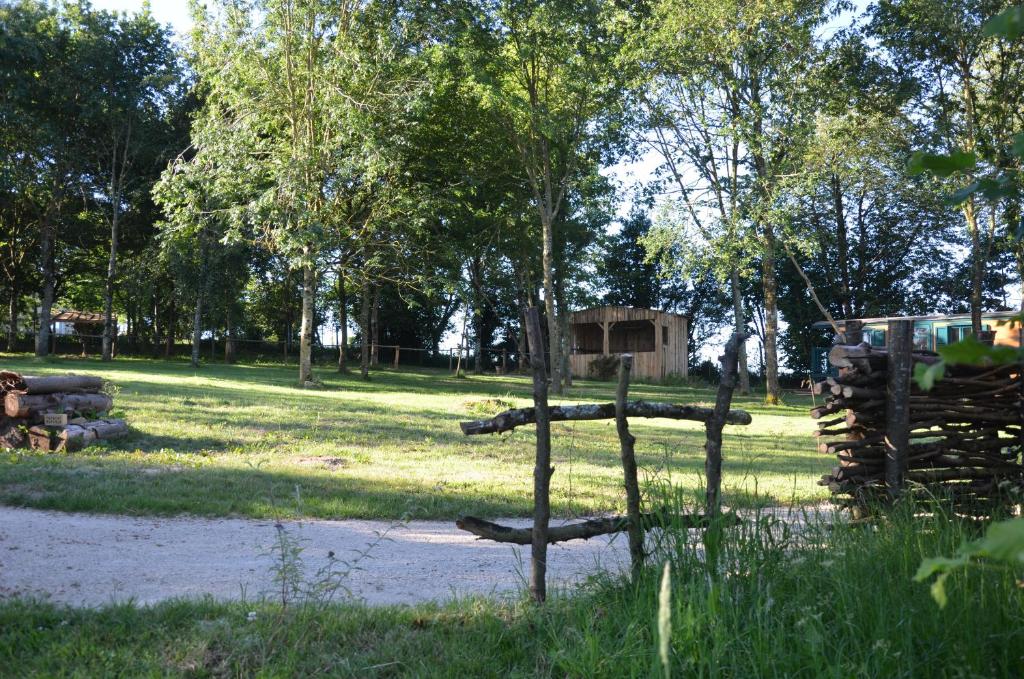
(235, 440)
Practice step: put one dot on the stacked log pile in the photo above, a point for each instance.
(965, 439)
(78, 401)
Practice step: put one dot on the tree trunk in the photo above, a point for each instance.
(172, 322)
(977, 265)
(197, 315)
(563, 332)
(771, 321)
(741, 329)
(475, 276)
(308, 311)
(197, 327)
(364, 328)
(342, 320)
(375, 327)
(554, 339)
(47, 247)
(12, 316)
(845, 297)
(109, 330)
(229, 339)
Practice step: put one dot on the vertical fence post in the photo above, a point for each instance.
(897, 404)
(713, 428)
(398, 349)
(628, 455)
(504, 361)
(542, 469)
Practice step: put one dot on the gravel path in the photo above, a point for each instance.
(91, 560)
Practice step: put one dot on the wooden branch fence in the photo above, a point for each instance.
(961, 440)
(635, 522)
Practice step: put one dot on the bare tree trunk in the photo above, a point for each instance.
(554, 339)
(342, 320)
(563, 332)
(109, 329)
(977, 265)
(364, 328)
(172, 322)
(771, 321)
(12, 316)
(229, 339)
(375, 327)
(741, 328)
(197, 327)
(308, 311)
(47, 247)
(462, 342)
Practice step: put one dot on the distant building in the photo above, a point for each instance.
(656, 339)
(930, 332)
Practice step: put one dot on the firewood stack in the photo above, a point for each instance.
(966, 436)
(27, 401)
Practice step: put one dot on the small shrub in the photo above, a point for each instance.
(603, 368)
(488, 407)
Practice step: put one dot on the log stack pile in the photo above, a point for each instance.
(80, 399)
(965, 440)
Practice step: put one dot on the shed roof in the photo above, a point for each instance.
(81, 317)
(928, 317)
(616, 313)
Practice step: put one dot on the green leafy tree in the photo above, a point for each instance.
(546, 70)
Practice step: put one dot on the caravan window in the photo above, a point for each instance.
(954, 333)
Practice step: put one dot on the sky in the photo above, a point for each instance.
(173, 12)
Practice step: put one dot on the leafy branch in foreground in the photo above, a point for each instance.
(1001, 546)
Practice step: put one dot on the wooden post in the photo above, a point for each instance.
(397, 350)
(606, 345)
(897, 404)
(542, 470)
(504, 361)
(626, 441)
(713, 428)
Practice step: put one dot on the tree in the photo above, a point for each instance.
(285, 136)
(969, 92)
(727, 102)
(547, 71)
(134, 72)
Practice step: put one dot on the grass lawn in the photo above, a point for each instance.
(238, 440)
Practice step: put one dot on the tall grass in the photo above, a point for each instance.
(821, 600)
(774, 601)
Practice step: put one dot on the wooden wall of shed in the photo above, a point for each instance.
(671, 338)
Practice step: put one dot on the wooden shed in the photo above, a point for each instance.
(656, 339)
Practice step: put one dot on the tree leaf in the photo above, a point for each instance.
(963, 194)
(927, 375)
(939, 164)
(1007, 24)
(1017, 148)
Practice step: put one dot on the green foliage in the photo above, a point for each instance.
(1001, 546)
(1008, 24)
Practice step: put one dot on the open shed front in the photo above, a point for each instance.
(656, 339)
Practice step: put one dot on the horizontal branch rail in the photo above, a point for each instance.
(517, 417)
(582, 530)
